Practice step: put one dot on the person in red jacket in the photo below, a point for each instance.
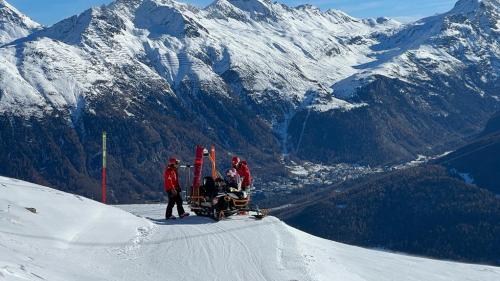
(173, 189)
(243, 171)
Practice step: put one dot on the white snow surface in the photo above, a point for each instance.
(73, 238)
(13, 24)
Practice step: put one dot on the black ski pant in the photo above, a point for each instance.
(173, 200)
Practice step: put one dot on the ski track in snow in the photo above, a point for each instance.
(73, 238)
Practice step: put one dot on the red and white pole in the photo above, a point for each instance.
(212, 156)
(104, 167)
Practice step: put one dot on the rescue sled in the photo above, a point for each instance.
(213, 197)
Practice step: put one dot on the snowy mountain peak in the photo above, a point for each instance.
(307, 7)
(14, 24)
(9, 12)
(466, 6)
(222, 9)
(4, 3)
(167, 18)
(90, 23)
(129, 2)
(466, 34)
(382, 21)
(472, 6)
(241, 9)
(479, 15)
(257, 6)
(153, 33)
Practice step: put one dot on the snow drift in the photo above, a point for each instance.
(73, 238)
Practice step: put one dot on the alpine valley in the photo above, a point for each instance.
(266, 81)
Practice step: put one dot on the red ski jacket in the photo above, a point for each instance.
(244, 172)
(171, 179)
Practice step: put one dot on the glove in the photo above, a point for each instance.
(174, 192)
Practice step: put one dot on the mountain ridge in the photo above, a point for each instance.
(164, 76)
(14, 24)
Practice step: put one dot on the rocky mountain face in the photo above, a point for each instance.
(256, 78)
(432, 83)
(13, 24)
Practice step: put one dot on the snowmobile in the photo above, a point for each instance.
(215, 198)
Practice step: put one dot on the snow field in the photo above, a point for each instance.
(73, 238)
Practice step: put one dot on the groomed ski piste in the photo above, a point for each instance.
(73, 238)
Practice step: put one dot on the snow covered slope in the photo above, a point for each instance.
(180, 45)
(71, 238)
(13, 24)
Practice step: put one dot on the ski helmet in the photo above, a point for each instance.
(173, 161)
(236, 160)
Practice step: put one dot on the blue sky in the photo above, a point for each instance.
(50, 11)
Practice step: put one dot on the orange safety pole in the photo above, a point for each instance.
(104, 167)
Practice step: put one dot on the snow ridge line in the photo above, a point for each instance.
(153, 242)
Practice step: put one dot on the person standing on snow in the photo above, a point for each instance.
(173, 189)
(243, 171)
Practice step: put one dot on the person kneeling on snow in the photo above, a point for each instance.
(173, 190)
